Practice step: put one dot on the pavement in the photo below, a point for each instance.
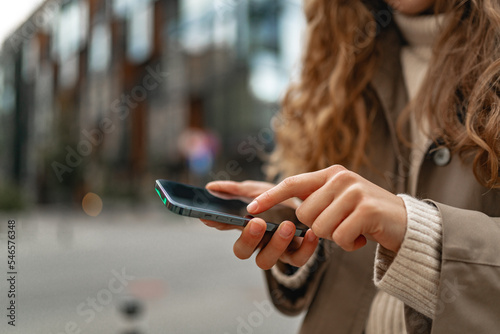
(131, 270)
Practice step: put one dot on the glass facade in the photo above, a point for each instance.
(122, 92)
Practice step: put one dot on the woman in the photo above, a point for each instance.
(402, 100)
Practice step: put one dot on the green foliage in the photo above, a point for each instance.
(12, 198)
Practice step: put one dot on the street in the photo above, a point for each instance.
(82, 274)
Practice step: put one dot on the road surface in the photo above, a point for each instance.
(75, 273)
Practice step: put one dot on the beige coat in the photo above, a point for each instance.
(340, 290)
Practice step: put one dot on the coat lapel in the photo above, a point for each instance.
(390, 88)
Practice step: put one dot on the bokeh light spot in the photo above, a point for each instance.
(92, 204)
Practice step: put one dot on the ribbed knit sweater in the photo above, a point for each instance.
(411, 276)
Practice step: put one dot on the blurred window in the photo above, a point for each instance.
(72, 28)
(100, 48)
(121, 8)
(140, 31)
(225, 25)
(196, 24)
(264, 18)
(292, 27)
(268, 79)
(2, 91)
(30, 59)
(7, 92)
(275, 46)
(69, 71)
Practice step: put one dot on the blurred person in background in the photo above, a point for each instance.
(199, 148)
(390, 139)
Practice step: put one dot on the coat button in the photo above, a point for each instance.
(442, 156)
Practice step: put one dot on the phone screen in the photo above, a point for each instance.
(201, 198)
(197, 202)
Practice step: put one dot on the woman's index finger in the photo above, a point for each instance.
(300, 186)
(222, 186)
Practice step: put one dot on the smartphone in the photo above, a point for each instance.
(186, 200)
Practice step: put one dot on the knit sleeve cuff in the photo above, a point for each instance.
(412, 275)
(300, 276)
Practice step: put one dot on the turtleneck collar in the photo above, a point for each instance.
(420, 30)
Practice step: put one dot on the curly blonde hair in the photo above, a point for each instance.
(330, 109)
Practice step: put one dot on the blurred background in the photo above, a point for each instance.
(98, 98)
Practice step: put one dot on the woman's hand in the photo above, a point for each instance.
(342, 206)
(282, 245)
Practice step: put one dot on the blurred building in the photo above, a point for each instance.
(95, 95)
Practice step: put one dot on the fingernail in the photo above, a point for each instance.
(252, 206)
(255, 228)
(286, 230)
(311, 236)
